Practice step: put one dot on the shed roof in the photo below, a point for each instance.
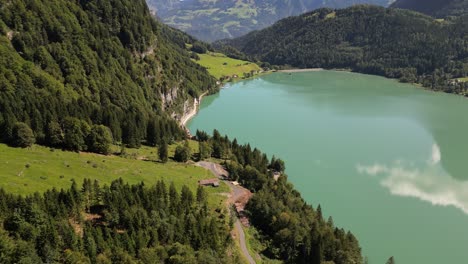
(209, 181)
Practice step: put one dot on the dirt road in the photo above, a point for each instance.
(238, 228)
(239, 197)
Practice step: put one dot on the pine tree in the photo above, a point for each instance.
(201, 195)
(163, 152)
(153, 135)
(204, 150)
(186, 197)
(173, 198)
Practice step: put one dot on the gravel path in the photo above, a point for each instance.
(238, 193)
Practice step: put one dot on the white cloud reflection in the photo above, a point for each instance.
(427, 182)
(436, 156)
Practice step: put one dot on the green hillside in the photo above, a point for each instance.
(394, 43)
(85, 76)
(101, 62)
(37, 169)
(211, 20)
(54, 203)
(436, 8)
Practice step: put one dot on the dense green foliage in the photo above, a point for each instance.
(436, 8)
(391, 42)
(82, 74)
(102, 62)
(163, 152)
(182, 153)
(119, 223)
(99, 139)
(22, 135)
(211, 20)
(293, 230)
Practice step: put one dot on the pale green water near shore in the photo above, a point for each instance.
(388, 161)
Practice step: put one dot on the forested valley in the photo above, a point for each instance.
(83, 75)
(394, 43)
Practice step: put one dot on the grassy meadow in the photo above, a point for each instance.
(220, 65)
(36, 169)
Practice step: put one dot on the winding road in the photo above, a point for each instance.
(238, 228)
(237, 193)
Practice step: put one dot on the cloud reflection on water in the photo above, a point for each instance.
(427, 182)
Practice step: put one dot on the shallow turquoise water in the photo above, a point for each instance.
(388, 161)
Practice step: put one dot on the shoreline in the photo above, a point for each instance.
(302, 70)
(187, 116)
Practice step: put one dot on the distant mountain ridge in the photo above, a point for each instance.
(211, 20)
(436, 8)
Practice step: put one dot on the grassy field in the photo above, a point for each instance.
(465, 79)
(25, 171)
(219, 65)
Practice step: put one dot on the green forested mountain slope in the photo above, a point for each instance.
(291, 230)
(390, 42)
(116, 223)
(67, 66)
(436, 8)
(212, 20)
(102, 62)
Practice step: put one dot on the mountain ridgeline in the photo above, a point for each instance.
(435, 8)
(390, 42)
(214, 20)
(68, 65)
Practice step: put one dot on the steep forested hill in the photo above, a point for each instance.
(390, 42)
(436, 8)
(212, 20)
(116, 223)
(78, 75)
(66, 65)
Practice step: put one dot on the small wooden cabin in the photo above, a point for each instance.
(210, 182)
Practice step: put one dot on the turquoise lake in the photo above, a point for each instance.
(388, 161)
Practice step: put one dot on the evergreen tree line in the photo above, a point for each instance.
(75, 134)
(293, 230)
(435, 8)
(103, 62)
(395, 43)
(116, 223)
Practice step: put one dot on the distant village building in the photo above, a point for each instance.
(210, 182)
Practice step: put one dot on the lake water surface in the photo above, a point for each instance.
(388, 161)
